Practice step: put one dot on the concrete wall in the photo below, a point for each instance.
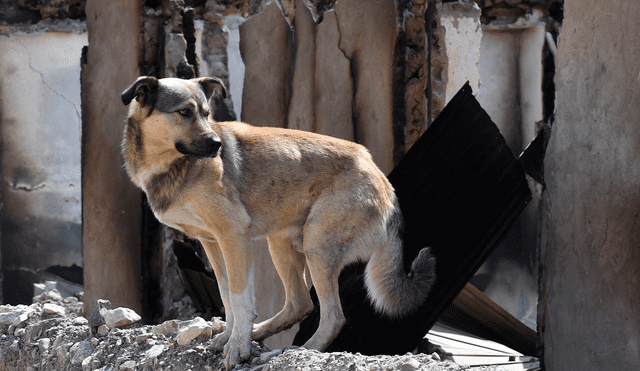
(111, 205)
(455, 51)
(40, 123)
(511, 57)
(591, 261)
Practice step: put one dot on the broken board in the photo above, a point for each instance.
(459, 188)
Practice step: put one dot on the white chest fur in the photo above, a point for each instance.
(186, 219)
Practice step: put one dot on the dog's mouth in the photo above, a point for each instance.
(203, 149)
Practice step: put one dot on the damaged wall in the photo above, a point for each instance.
(591, 227)
(40, 123)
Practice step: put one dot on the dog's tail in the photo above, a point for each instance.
(393, 291)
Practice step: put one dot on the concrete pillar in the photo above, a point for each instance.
(111, 205)
(589, 307)
(265, 45)
(455, 51)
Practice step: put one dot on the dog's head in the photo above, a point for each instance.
(173, 115)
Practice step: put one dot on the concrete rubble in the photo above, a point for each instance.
(51, 334)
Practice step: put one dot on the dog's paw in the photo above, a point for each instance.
(219, 341)
(236, 352)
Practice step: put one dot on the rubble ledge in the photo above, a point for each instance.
(52, 334)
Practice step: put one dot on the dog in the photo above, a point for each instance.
(321, 202)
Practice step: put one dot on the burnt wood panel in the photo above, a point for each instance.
(459, 188)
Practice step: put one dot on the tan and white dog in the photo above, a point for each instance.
(320, 202)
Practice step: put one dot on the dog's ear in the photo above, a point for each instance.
(209, 84)
(144, 90)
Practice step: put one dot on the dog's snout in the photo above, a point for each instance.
(213, 143)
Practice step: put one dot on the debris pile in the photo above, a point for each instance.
(51, 334)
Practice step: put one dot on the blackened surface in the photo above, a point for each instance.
(459, 189)
(151, 262)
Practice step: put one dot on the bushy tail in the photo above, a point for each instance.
(393, 291)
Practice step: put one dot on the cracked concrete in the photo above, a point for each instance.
(41, 131)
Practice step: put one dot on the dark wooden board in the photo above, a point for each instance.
(459, 188)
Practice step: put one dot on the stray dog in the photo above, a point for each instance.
(320, 202)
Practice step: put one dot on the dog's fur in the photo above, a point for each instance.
(320, 202)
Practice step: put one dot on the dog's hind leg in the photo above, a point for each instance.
(290, 266)
(324, 275)
(217, 262)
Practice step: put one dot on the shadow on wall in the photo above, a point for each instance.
(41, 135)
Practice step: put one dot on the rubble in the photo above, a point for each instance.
(54, 336)
(35, 338)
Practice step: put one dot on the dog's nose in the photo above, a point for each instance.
(213, 143)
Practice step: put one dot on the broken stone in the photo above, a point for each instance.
(264, 357)
(103, 330)
(80, 321)
(166, 328)
(152, 354)
(44, 344)
(17, 315)
(193, 329)
(80, 351)
(121, 317)
(411, 365)
(99, 310)
(50, 308)
(128, 366)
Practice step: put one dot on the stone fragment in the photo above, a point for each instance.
(103, 330)
(99, 310)
(193, 329)
(264, 357)
(121, 317)
(79, 351)
(152, 354)
(80, 321)
(411, 365)
(44, 344)
(17, 316)
(50, 308)
(166, 328)
(128, 366)
(86, 363)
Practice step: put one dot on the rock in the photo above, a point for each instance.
(17, 316)
(411, 365)
(80, 351)
(99, 310)
(86, 363)
(80, 321)
(264, 357)
(166, 328)
(44, 344)
(193, 329)
(121, 317)
(152, 354)
(50, 308)
(103, 330)
(128, 366)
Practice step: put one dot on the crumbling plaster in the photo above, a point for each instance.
(40, 123)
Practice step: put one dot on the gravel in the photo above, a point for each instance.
(52, 334)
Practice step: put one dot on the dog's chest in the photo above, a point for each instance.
(186, 219)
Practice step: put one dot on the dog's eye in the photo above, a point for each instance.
(185, 112)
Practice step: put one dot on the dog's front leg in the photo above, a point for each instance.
(236, 250)
(214, 254)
